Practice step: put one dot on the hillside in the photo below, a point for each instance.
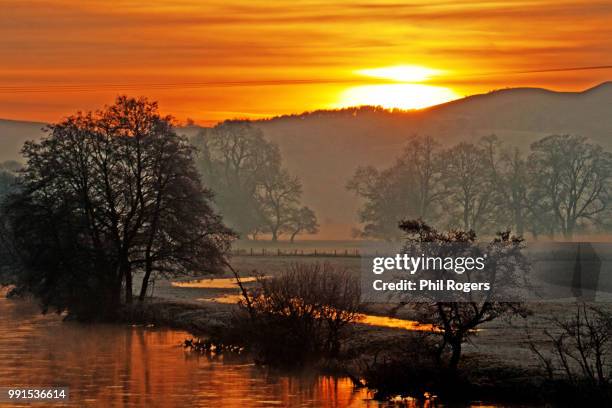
(324, 147)
(13, 134)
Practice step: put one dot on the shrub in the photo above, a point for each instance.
(301, 314)
(405, 365)
(577, 356)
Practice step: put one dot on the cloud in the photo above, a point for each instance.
(67, 42)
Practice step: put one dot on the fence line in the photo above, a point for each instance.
(345, 253)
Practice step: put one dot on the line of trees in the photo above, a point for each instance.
(253, 191)
(105, 196)
(561, 186)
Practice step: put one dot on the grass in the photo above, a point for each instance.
(499, 340)
(497, 360)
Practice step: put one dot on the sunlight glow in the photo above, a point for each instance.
(401, 96)
(401, 73)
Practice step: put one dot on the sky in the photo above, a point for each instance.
(213, 60)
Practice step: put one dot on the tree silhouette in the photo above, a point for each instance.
(234, 158)
(301, 220)
(411, 186)
(104, 195)
(459, 314)
(469, 193)
(279, 195)
(573, 178)
(253, 191)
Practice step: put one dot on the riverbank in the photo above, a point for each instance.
(482, 377)
(199, 320)
(124, 366)
(492, 370)
(497, 363)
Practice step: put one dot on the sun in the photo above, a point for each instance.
(400, 96)
(405, 93)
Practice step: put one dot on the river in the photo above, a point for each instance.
(122, 366)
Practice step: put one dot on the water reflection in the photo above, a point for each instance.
(392, 322)
(233, 298)
(213, 283)
(114, 366)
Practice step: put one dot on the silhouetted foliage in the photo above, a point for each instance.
(576, 354)
(301, 314)
(301, 220)
(105, 195)
(253, 192)
(234, 159)
(458, 316)
(8, 176)
(279, 196)
(8, 184)
(564, 185)
(405, 365)
(412, 186)
(572, 180)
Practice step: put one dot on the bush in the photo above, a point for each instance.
(576, 358)
(405, 366)
(301, 314)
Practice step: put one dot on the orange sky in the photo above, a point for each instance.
(213, 59)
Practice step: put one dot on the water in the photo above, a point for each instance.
(234, 297)
(120, 366)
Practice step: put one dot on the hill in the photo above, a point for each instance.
(325, 147)
(13, 134)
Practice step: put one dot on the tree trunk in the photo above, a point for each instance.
(518, 221)
(466, 215)
(569, 230)
(128, 286)
(456, 354)
(115, 300)
(145, 280)
(293, 236)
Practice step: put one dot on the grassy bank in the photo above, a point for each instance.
(481, 377)
(199, 320)
(497, 364)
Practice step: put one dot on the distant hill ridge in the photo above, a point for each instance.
(324, 147)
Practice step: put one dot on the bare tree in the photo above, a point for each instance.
(458, 316)
(106, 194)
(301, 220)
(411, 186)
(574, 179)
(182, 233)
(579, 347)
(421, 157)
(384, 194)
(234, 158)
(279, 194)
(469, 193)
(510, 182)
